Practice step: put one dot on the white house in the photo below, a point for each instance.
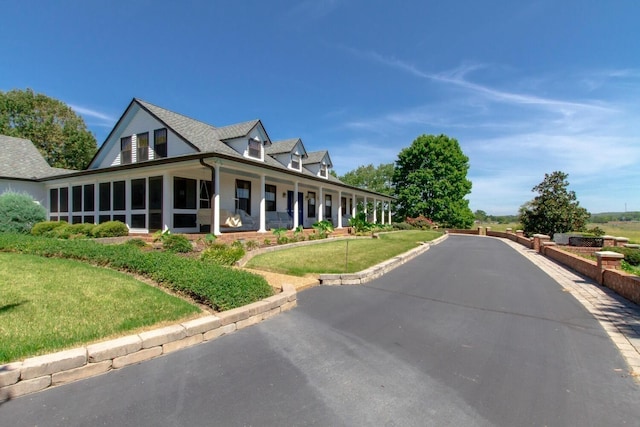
(160, 170)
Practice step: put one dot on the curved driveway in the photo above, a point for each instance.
(469, 333)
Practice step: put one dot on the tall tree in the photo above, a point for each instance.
(430, 179)
(372, 178)
(55, 129)
(555, 209)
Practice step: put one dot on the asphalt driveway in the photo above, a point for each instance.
(469, 333)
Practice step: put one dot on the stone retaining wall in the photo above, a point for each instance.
(40, 372)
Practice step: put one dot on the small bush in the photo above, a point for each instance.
(47, 228)
(111, 229)
(81, 230)
(176, 243)
(421, 222)
(137, 242)
(221, 254)
(19, 213)
(252, 245)
(402, 226)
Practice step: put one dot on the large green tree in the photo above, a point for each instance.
(378, 179)
(55, 129)
(430, 179)
(555, 209)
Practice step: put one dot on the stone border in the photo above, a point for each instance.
(378, 270)
(41, 372)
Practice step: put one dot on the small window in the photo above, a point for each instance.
(311, 204)
(76, 199)
(64, 200)
(138, 221)
(104, 200)
(53, 198)
(125, 150)
(160, 143)
(138, 195)
(119, 196)
(243, 195)
(142, 150)
(295, 161)
(270, 197)
(327, 206)
(255, 148)
(89, 198)
(184, 193)
(323, 170)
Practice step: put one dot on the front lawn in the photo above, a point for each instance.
(341, 256)
(50, 304)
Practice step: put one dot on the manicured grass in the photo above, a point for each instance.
(332, 256)
(628, 229)
(49, 304)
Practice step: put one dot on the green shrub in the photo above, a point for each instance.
(221, 254)
(19, 213)
(47, 228)
(111, 229)
(137, 242)
(631, 255)
(176, 243)
(221, 288)
(324, 228)
(252, 245)
(360, 223)
(80, 230)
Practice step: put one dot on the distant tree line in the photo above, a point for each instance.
(603, 218)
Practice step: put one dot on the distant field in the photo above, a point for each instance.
(628, 229)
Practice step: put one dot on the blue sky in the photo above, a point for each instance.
(526, 87)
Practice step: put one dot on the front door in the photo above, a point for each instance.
(300, 206)
(155, 203)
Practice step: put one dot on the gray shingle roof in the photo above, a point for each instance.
(19, 158)
(280, 147)
(316, 157)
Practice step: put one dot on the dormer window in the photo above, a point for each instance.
(295, 161)
(125, 150)
(323, 170)
(255, 148)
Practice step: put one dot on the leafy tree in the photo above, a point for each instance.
(430, 179)
(378, 179)
(480, 215)
(59, 133)
(555, 209)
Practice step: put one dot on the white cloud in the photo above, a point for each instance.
(103, 119)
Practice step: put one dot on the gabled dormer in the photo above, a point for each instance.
(147, 132)
(290, 153)
(248, 139)
(318, 163)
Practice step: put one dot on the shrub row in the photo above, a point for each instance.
(64, 230)
(219, 287)
(221, 254)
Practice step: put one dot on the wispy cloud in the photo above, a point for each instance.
(103, 119)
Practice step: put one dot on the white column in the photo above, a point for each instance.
(354, 205)
(215, 223)
(295, 205)
(340, 209)
(375, 211)
(320, 205)
(382, 211)
(263, 222)
(366, 208)
(389, 212)
(167, 192)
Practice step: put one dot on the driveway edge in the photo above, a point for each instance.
(41, 372)
(377, 270)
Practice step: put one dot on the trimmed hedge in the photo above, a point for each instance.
(221, 288)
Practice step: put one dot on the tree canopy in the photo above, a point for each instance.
(555, 209)
(430, 179)
(55, 129)
(378, 179)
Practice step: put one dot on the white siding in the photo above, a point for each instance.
(35, 189)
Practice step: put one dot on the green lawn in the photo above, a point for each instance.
(628, 229)
(350, 255)
(50, 304)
